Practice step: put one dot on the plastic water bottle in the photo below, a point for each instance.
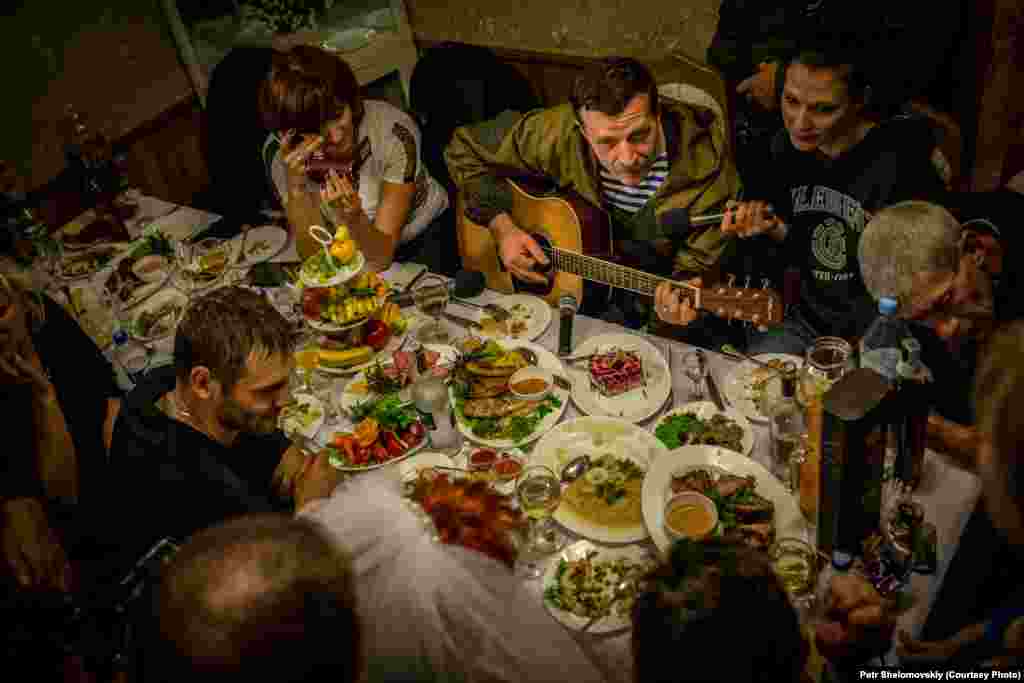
(881, 344)
(129, 358)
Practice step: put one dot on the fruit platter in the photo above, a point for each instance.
(338, 262)
(340, 307)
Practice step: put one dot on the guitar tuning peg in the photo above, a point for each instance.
(765, 282)
(731, 280)
(746, 283)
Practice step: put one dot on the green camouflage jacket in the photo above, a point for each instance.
(550, 143)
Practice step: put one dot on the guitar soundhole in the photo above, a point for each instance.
(547, 271)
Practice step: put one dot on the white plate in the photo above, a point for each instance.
(290, 426)
(338, 465)
(579, 551)
(421, 461)
(706, 410)
(268, 240)
(392, 346)
(633, 405)
(658, 482)
(427, 459)
(547, 360)
(737, 386)
(532, 310)
(344, 274)
(164, 296)
(349, 399)
(596, 436)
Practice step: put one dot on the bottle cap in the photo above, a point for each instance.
(887, 305)
(841, 560)
(120, 337)
(567, 301)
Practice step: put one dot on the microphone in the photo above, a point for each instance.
(678, 223)
(465, 285)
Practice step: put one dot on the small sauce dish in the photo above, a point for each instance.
(690, 515)
(531, 384)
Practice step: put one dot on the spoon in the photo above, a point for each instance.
(575, 468)
(731, 352)
(531, 358)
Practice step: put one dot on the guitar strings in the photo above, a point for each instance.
(596, 269)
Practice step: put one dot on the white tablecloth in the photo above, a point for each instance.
(948, 494)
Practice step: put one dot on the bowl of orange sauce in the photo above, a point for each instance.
(690, 515)
(531, 384)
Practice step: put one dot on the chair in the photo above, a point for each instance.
(233, 135)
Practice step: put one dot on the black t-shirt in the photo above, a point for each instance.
(169, 480)
(827, 203)
(84, 381)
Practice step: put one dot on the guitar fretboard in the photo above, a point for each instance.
(607, 273)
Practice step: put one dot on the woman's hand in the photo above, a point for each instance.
(295, 152)
(30, 547)
(672, 306)
(339, 192)
(747, 219)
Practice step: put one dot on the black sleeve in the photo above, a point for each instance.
(19, 477)
(61, 337)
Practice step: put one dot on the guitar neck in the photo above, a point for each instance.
(607, 273)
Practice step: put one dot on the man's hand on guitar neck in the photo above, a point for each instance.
(519, 252)
(672, 306)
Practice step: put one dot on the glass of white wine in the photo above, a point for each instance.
(431, 297)
(539, 492)
(796, 564)
(697, 370)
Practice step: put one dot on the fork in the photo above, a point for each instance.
(497, 312)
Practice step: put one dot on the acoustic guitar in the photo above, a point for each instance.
(577, 239)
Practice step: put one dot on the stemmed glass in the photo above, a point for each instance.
(798, 566)
(697, 370)
(431, 299)
(539, 492)
(307, 358)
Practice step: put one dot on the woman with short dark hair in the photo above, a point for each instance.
(337, 159)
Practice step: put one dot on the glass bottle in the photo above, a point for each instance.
(788, 430)
(825, 361)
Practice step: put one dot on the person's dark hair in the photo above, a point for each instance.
(836, 52)
(258, 598)
(704, 598)
(608, 85)
(306, 88)
(221, 329)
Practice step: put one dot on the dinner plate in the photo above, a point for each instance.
(343, 274)
(290, 425)
(350, 396)
(597, 436)
(547, 360)
(530, 311)
(339, 465)
(152, 304)
(427, 459)
(738, 385)
(578, 551)
(141, 289)
(90, 259)
(706, 410)
(658, 484)
(636, 405)
(261, 244)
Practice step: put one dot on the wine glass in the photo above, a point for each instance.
(431, 298)
(539, 492)
(307, 358)
(697, 370)
(797, 564)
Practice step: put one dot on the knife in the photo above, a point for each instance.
(709, 377)
(462, 322)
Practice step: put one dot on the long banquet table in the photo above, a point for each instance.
(947, 493)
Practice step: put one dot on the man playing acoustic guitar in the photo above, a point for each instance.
(619, 147)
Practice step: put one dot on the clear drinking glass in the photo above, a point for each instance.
(825, 361)
(431, 297)
(696, 370)
(539, 492)
(307, 358)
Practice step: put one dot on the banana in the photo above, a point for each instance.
(347, 358)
